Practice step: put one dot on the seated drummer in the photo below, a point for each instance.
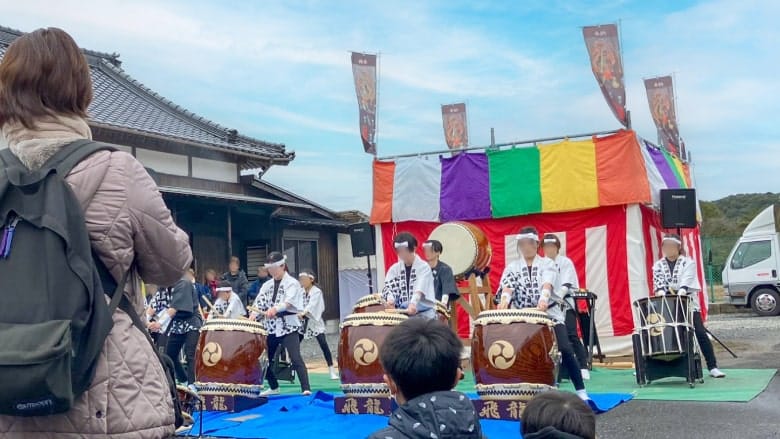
(528, 283)
(444, 286)
(228, 304)
(676, 273)
(409, 282)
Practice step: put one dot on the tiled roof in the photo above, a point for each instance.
(122, 102)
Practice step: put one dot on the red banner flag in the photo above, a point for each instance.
(364, 72)
(456, 131)
(604, 50)
(660, 97)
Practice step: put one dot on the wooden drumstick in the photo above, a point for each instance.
(253, 309)
(397, 311)
(208, 302)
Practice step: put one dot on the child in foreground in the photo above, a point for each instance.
(421, 359)
(558, 415)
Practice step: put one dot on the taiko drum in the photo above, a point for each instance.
(466, 247)
(369, 303)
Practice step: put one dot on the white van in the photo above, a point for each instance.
(750, 274)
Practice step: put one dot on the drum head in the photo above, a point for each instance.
(460, 246)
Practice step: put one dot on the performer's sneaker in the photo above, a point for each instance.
(585, 374)
(306, 393)
(333, 374)
(583, 395)
(716, 373)
(270, 392)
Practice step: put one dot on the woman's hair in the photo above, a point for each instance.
(554, 240)
(564, 411)
(529, 229)
(408, 238)
(43, 73)
(311, 272)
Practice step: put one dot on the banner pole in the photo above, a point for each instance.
(376, 116)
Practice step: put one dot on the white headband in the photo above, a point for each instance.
(277, 263)
(309, 275)
(550, 241)
(428, 245)
(673, 239)
(220, 289)
(401, 244)
(533, 236)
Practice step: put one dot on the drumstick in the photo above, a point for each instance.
(253, 309)
(397, 311)
(208, 302)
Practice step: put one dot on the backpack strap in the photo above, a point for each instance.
(70, 155)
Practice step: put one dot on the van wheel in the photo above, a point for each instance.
(766, 302)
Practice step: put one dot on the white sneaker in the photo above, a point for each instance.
(334, 375)
(270, 392)
(585, 374)
(716, 373)
(306, 393)
(583, 394)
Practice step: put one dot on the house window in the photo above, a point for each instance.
(301, 254)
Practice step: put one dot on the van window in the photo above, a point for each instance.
(751, 253)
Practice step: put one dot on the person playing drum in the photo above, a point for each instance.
(566, 280)
(281, 299)
(677, 274)
(528, 283)
(444, 285)
(409, 282)
(228, 304)
(313, 324)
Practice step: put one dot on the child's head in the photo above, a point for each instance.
(564, 411)
(306, 278)
(420, 356)
(224, 290)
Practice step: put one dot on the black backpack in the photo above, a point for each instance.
(54, 318)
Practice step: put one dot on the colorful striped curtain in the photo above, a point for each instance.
(416, 189)
(465, 187)
(568, 176)
(514, 182)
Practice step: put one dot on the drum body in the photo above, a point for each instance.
(369, 303)
(664, 324)
(442, 313)
(514, 354)
(361, 337)
(231, 357)
(466, 247)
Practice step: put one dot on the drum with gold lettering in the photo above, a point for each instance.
(362, 335)
(369, 303)
(514, 354)
(231, 358)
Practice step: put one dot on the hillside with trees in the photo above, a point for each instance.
(728, 216)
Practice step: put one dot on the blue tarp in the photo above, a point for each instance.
(313, 417)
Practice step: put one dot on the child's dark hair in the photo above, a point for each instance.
(408, 238)
(529, 229)
(564, 411)
(435, 245)
(421, 356)
(552, 239)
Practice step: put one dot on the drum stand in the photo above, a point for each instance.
(650, 368)
(589, 298)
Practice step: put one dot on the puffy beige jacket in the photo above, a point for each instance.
(130, 229)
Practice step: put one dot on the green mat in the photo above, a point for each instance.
(740, 385)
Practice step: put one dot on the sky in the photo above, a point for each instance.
(280, 71)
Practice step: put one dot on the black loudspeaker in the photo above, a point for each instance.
(362, 236)
(678, 208)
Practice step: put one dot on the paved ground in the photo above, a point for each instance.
(757, 343)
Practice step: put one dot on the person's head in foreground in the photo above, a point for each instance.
(433, 249)
(558, 415)
(421, 359)
(528, 242)
(551, 245)
(276, 263)
(405, 245)
(672, 246)
(224, 290)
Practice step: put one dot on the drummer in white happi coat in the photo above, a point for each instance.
(676, 273)
(409, 282)
(528, 283)
(228, 304)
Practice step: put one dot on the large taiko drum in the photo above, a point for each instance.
(369, 303)
(442, 313)
(231, 358)
(361, 337)
(514, 354)
(664, 325)
(466, 247)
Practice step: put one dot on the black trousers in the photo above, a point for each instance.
(292, 343)
(189, 342)
(323, 342)
(704, 341)
(574, 339)
(568, 357)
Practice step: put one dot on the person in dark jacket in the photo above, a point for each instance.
(558, 415)
(443, 280)
(237, 279)
(254, 287)
(421, 358)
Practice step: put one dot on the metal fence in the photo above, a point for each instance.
(716, 250)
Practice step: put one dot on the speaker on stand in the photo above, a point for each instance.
(678, 209)
(363, 244)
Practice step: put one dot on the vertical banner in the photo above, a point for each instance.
(364, 72)
(604, 50)
(455, 126)
(660, 97)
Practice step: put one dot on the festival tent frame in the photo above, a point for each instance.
(600, 195)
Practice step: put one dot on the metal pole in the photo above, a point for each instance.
(492, 137)
(370, 281)
(500, 145)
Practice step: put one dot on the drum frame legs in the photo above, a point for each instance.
(649, 368)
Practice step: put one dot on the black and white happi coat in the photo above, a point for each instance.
(161, 302)
(398, 291)
(291, 293)
(313, 307)
(527, 284)
(684, 275)
(230, 309)
(565, 279)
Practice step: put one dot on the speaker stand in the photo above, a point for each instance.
(370, 281)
